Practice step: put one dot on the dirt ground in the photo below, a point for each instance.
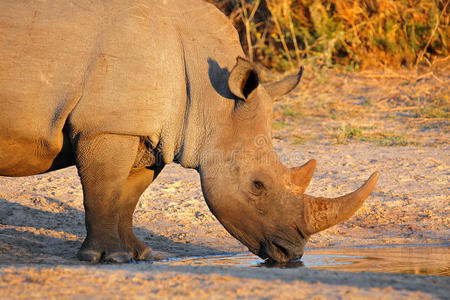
(352, 124)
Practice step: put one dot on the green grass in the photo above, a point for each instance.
(367, 103)
(347, 132)
(435, 125)
(338, 115)
(439, 108)
(382, 139)
(279, 124)
(289, 112)
(433, 112)
(300, 139)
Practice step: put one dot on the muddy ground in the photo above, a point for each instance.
(352, 124)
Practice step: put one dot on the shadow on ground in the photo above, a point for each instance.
(29, 235)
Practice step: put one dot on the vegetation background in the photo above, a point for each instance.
(376, 71)
(351, 34)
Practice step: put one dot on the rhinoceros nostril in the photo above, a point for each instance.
(285, 252)
(300, 232)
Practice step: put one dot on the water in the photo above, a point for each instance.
(425, 260)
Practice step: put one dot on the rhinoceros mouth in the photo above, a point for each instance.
(279, 251)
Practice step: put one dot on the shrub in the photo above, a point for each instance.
(353, 34)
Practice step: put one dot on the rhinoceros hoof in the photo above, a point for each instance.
(97, 256)
(117, 257)
(145, 254)
(89, 255)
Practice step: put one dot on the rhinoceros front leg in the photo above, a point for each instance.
(104, 163)
(138, 180)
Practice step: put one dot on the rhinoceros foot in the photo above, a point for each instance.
(136, 250)
(103, 249)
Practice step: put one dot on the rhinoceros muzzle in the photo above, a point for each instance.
(281, 251)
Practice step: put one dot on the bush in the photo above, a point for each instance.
(353, 34)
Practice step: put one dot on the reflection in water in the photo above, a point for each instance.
(426, 260)
(273, 264)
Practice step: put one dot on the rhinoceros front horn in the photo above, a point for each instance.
(321, 213)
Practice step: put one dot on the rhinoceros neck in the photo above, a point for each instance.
(210, 46)
(208, 103)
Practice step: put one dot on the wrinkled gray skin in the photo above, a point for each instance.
(121, 88)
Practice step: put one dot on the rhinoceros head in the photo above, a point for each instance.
(257, 199)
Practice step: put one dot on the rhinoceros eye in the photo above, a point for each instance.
(257, 188)
(259, 185)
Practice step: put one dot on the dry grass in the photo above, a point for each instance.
(352, 34)
(384, 108)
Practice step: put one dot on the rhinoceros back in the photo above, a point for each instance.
(112, 67)
(93, 67)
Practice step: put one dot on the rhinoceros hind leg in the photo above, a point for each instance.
(104, 163)
(138, 180)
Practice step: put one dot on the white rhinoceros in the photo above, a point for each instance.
(120, 88)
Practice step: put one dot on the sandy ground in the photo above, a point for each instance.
(42, 219)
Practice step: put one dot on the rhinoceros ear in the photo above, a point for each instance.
(243, 78)
(284, 86)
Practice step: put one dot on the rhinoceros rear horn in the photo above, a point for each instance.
(243, 78)
(301, 176)
(321, 213)
(284, 86)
